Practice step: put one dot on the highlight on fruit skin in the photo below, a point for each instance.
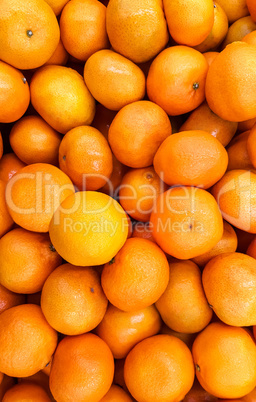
(88, 228)
(127, 200)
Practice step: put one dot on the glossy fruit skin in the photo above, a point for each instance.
(9, 299)
(55, 88)
(138, 192)
(137, 131)
(27, 340)
(238, 155)
(25, 392)
(227, 92)
(26, 259)
(210, 56)
(34, 141)
(162, 87)
(32, 30)
(85, 156)
(219, 364)
(123, 330)
(191, 158)
(132, 27)
(137, 277)
(227, 244)
(186, 222)
(63, 310)
(185, 284)
(9, 165)
(231, 299)
(234, 202)
(159, 367)
(113, 80)
(234, 9)
(238, 30)
(14, 93)
(83, 368)
(57, 5)
(189, 22)
(218, 32)
(26, 190)
(204, 119)
(83, 28)
(71, 221)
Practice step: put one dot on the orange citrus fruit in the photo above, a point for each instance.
(250, 145)
(137, 131)
(210, 56)
(34, 141)
(34, 193)
(116, 394)
(59, 57)
(61, 97)
(230, 82)
(177, 96)
(235, 194)
(6, 220)
(227, 244)
(85, 156)
(27, 341)
(26, 392)
(238, 30)
(189, 22)
(6, 384)
(183, 290)
(229, 282)
(82, 369)
(83, 28)
(234, 9)
(218, 31)
(88, 228)
(191, 158)
(137, 276)
(159, 368)
(133, 27)
(203, 118)
(238, 155)
(138, 192)
(57, 5)
(67, 313)
(29, 33)
(113, 80)
(14, 93)
(225, 360)
(9, 165)
(122, 330)
(9, 299)
(186, 222)
(252, 9)
(26, 259)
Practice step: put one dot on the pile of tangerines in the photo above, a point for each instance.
(127, 200)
